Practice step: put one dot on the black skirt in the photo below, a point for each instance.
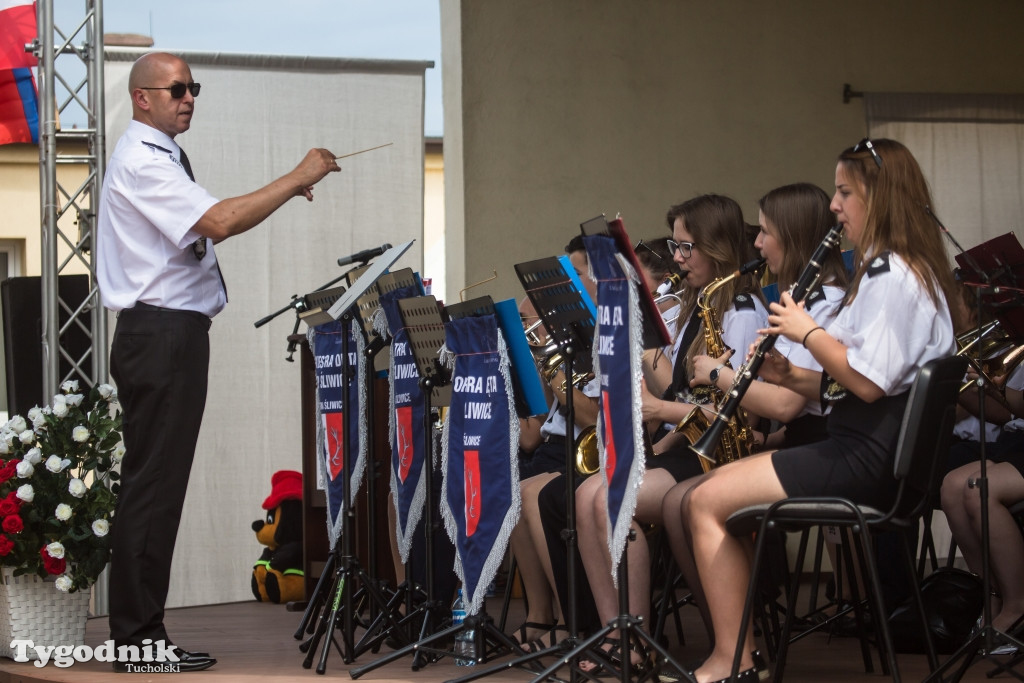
(855, 461)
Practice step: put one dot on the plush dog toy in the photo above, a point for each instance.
(277, 575)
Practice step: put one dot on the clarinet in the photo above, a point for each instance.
(707, 444)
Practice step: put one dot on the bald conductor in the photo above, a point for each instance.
(157, 268)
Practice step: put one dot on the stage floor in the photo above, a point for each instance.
(254, 642)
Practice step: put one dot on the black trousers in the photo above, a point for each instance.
(160, 361)
(551, 503)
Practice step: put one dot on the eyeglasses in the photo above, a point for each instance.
(178, 89)
(643, 245)
(684, 248)
(867, 144)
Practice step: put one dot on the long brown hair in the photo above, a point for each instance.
(898, 203)
(800, 213)
(716, 224)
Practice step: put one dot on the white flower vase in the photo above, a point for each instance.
(33, 609)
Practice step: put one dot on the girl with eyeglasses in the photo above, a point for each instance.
(711, 241)
(794, 219)
(894, 319)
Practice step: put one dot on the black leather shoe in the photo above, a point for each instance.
(187, 661)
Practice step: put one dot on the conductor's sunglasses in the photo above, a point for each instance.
(178, 89)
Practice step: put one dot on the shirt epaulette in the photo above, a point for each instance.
(153, 146)
(814, 296)
(879, 264)
(743, 300)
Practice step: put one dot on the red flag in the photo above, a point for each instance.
(335, 442)
(471, 480)
(17, 27)
(404, 440)
(609, 438)
(19, 110)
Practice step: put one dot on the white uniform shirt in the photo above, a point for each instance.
(892, 327)
(148, 207)
(824, 312)
(1015, 382)
(555, 424)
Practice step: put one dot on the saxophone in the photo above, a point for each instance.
(738, 439)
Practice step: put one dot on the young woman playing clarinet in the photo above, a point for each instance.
(794, 220)
(894, 318)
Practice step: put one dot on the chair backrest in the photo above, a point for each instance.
(925, 433)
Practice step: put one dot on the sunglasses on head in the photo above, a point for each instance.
(178, 89)
(643, 245)
(866, 144)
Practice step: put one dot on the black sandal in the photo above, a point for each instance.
(537, 644)
(612, 657)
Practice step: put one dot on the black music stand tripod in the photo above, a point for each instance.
(426, 336)
(348, 572)
(629, 626)
(423, 321)
(987, 638)
(560, 305)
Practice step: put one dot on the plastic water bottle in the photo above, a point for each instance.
(465, 640)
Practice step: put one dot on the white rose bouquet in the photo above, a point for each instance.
(58, 486)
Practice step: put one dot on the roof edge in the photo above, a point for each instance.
(280, 62)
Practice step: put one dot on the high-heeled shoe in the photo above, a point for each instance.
(760, 666)
(746, 676)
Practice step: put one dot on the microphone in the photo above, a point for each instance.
(364, 255)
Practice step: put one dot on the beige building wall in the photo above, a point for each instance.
(433, 217)
(20, 225)
(558, 111)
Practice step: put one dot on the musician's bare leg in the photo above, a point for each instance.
(531, 559)
(677, 531)
(962, 504)
(723, 560)
(592, 517)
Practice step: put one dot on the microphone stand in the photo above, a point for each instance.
(983, 642)
(299, 304)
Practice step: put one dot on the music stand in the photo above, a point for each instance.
(569, 315)
(490, 641)
(421, 317)
(368, 306)
(346, 566)
(997, 266)
(992, 264)
(626, 624)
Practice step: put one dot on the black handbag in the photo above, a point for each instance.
(952, 602)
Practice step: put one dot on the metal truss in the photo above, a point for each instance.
(71, 90)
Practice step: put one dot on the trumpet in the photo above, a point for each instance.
(533, 337)
(670, 290)
(995, 357)
(553, 364)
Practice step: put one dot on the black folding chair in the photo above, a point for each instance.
(920, 454)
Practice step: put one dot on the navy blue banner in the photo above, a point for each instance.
(480, 454)
(407, 404)
(618, 351)
(331, 370)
